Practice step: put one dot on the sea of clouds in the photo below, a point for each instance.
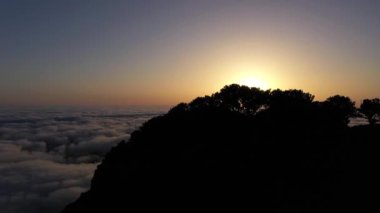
(48, 156)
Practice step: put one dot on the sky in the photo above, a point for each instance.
(161, 52)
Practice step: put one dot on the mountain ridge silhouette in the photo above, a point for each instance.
(241, 148)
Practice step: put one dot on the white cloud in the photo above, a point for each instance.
(48, 158)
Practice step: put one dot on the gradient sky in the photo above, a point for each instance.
(156, 52)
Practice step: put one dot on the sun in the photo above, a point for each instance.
(253, 82)
(249, 74)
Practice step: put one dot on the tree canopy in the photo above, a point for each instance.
(281, 104)
(371, 110)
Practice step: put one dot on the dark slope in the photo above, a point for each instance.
(292, 154)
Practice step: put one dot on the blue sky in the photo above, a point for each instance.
(162, 52)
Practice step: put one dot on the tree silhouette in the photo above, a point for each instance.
(242, 99)
(289, 106)
(290, 98)
(371, 109)
(340, 108)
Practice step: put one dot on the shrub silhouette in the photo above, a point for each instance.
(240, 148)
(371, 109)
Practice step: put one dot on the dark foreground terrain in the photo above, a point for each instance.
(241, 148)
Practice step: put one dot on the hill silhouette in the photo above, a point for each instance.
(241, 148)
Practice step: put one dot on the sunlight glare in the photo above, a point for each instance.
(253, 82)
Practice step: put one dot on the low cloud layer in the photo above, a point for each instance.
(47, 158)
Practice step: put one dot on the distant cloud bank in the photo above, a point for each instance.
(47, 157)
